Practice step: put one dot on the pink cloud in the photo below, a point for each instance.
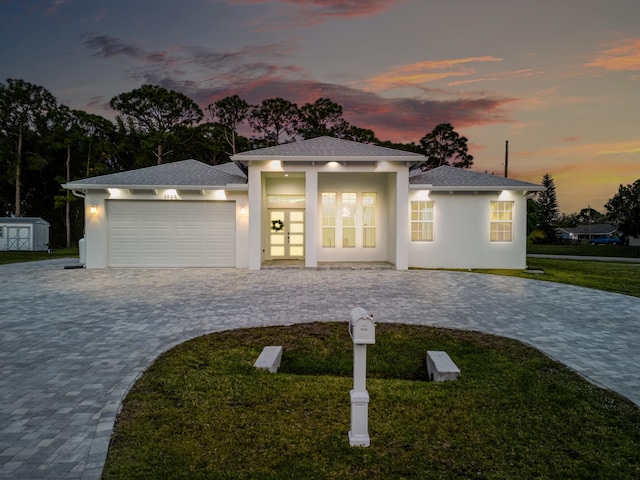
(620, 57)
(396, 119)
(424, 72)
(329, 8)
(55, 6)
(496, 76)
(256, 73)
(298, 13)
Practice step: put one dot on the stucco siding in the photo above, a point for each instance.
(461, 236)
(390, 211)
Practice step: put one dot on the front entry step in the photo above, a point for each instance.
(296, 264)
(356, 266)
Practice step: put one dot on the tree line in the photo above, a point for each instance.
(622, 210)
(44, 143)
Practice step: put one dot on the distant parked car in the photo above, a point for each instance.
(605, 241)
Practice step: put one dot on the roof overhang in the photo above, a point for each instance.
(92, 186)
(468, 188)
(324, 159)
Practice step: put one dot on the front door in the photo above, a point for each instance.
(286, 234)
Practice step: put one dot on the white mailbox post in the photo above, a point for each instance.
(363, 333)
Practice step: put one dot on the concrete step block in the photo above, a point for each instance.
(440, 367)
(269, 359)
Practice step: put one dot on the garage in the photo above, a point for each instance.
(171, 233)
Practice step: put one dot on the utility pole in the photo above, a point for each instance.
(506, 159)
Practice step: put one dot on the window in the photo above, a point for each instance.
(348, 220)
(422, 221)
(369, 220)
(329, 220)
(501, 221)
(285, 198)
(1, 231)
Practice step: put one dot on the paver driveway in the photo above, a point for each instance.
(74, 341)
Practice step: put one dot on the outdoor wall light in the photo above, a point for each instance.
(219, 195)
(422, 195)
(171, 194)
(243, 211)
(275, 165)
(93, 209)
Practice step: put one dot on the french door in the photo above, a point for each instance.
(286, 234)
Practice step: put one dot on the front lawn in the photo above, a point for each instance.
(614, 277)
(586, 250)
(17, 257)
(203, 411)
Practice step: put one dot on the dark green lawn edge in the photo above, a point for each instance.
(20, 257)
(614, 277)
(586, 250)
(203, 411)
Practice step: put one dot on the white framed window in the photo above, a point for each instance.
(285, 198)
(422, 220)
(328, 220)
(348, 219)
(369, 219)
(501, 221)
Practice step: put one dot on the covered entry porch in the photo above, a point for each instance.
(320, 215)
(351, 198)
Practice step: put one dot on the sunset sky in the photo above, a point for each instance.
(558, 79)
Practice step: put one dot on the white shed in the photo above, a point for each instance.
(30, 234)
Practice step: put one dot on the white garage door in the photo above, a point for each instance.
(171, 234)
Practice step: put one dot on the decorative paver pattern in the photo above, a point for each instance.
(72, 342)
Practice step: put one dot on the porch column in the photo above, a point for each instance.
(402, 219)
(255, 218)
(311, 220)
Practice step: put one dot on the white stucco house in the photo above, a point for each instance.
(317, 200)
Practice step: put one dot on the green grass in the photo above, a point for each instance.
(614, 277)
(586, 250)
(18, 257)
(202, 411)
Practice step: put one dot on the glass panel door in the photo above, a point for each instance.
(286, 234)
(276, 234)
(295, 234)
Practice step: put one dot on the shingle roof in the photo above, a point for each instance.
(22, 220)
(232, 169)
(327, 147)
(191, 173)
(593, 229)
(451, 177)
